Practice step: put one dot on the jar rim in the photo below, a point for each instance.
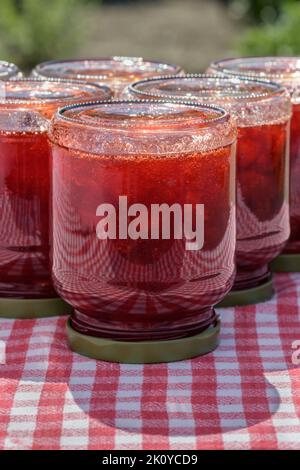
(7, 69)
(119, 127)
(90, 88)
(220, 66)
(41, 69)
(271, 88)
(171, 125)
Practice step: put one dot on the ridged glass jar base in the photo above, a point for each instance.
(144, 352)
(120, 327)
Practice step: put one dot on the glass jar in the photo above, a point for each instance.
(262, 111)
(26, 106)
(8, 70)
(117, 72)
(286, 71)
(144, 226)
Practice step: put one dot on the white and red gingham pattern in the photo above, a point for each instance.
(245, 395)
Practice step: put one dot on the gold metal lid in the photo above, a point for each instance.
(33, 308)
(254, 295)
(286, 263)
(143, 352)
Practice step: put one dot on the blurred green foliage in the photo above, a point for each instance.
(264, 10)
(258, 11)
(281, 37)
(32, 31)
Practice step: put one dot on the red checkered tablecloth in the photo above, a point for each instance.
(245, 395)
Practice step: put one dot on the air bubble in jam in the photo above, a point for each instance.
(22, 121)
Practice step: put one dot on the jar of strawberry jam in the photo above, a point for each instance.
(144, 226)
(26, 107)
(116, 72)
(8, 70)
(262, 111)
(286, 71)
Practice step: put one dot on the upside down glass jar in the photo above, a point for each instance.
(116, 72)
(286, 71)
(26, 107)
(262, 111)
(144, 226)
(8, 70)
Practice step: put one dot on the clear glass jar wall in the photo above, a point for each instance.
(128, 276)
(25, 109)
(285, 71)
(262, 111)
(117, 72)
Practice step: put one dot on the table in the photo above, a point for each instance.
(245, 395)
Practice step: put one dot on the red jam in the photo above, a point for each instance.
(293, 245)
(286, 71)
(262, 112)
(24, 228)
(147, 287)
(25, 183)
(262, 205)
